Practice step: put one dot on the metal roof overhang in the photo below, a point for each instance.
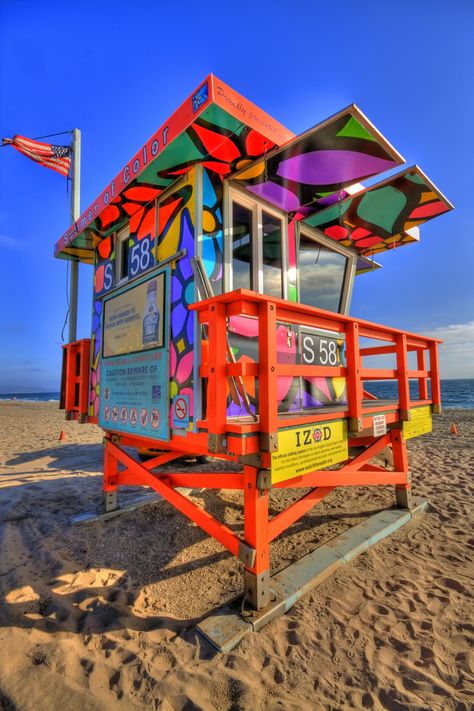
(383, 216)
(312, 177)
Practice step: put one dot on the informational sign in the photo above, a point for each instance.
(379, 423)
(421, 422)
(134, 385)
(133, 319)
(140, 256)
(320, 348)
(304, 449)
(181, 411)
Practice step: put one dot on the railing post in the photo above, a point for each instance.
(216, 413)
(402, 376)
(354, 382)
(421, 365)
(267, 378)
(434, 375)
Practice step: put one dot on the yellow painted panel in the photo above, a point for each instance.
(425, 197)
(252, 172)
(421, 422)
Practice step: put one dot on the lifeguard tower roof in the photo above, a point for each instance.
(315, 177)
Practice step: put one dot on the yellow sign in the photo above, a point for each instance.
(421, 422)
(133, 320)
(305, 449)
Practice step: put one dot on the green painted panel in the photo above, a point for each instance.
(219, 117)
(332, 213)
(354, 129)
(382, 207)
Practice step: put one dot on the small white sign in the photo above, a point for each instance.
(380, 425)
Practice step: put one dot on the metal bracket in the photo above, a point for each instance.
(217, 443)
(436, 409)
(251, 460)
(264, 479)
(269, 441)
(110, 501)
(257, 589)
(247, 555)
(355, 425)
(404, 498)
(115, 439)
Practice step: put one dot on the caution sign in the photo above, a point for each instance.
(181, 412)
(304, 449)
(421, 422)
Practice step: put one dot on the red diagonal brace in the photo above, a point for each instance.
(200, 517)
(283, 520)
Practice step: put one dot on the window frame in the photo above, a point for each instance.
(349, 273)
(256, 206)
(120, 236)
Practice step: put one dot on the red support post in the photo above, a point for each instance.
(256, 536)
(400, 463)
(110, 483)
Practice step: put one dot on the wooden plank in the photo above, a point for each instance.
(225, 627)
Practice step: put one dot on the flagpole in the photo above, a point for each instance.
(76, 208)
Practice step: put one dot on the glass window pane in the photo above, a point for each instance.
(272, 259)
(124, 258)
(241, 247)
(321, 275)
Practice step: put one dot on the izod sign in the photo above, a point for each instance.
(305, 449)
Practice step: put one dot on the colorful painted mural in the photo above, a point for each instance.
(212, 246)
(308, 174)
(382, 216)
(176, 220)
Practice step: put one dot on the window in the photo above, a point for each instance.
(121, 253)
(272, 260)
(242, 247)
(324, 273)
(256, 247)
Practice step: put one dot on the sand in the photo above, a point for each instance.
(102, 616)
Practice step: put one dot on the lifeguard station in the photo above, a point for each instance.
(225, 254)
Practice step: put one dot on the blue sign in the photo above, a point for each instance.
(134, 394)
(181, 412)
(134, 386)
(140, 256)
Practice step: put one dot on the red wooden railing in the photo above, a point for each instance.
(215, 313)
(75, 379)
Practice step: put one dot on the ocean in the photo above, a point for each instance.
(31, 397)
(454, 393)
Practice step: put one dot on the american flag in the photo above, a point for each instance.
(57, 158)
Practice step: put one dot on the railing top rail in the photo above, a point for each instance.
(303, 310)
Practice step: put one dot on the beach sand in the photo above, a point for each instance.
(102, 616)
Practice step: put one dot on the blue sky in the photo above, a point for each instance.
(118, 70)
